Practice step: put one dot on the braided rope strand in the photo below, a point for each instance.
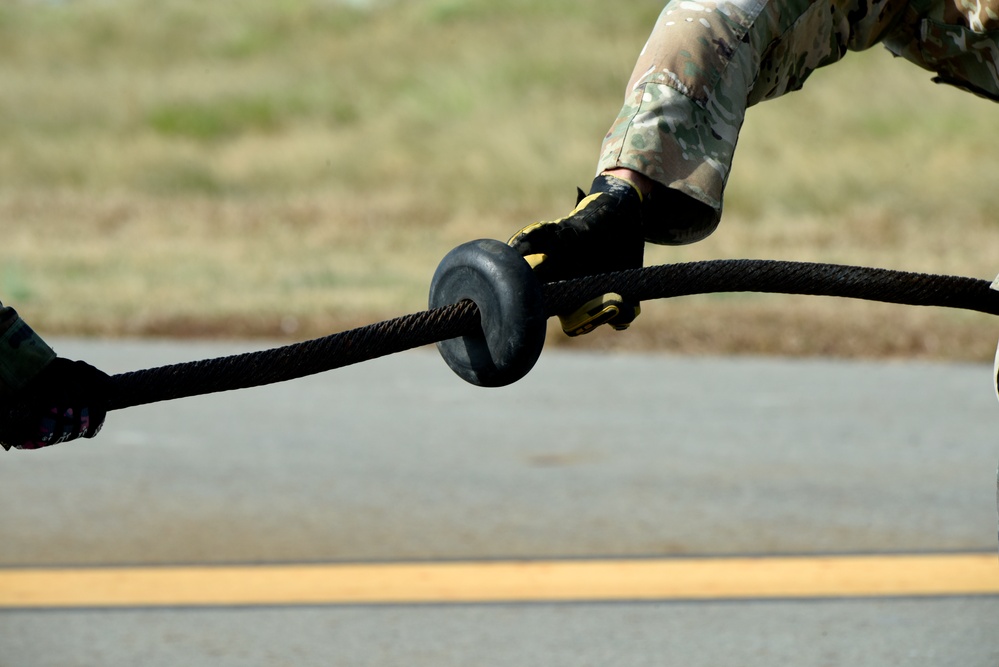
(656, 282)
(253, 369)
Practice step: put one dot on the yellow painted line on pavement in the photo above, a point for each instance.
(503, 581)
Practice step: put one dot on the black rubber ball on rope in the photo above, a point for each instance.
(511, 310)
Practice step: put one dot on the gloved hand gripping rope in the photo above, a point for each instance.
(488, 316)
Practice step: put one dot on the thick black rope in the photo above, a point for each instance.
(655, 282)
(254, 369)
(750, 275)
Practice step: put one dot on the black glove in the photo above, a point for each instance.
(602, 234)
(65, 401)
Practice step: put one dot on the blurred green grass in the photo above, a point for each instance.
(290, 168)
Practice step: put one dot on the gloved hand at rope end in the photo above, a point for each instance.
(602, 234)
(64, 401)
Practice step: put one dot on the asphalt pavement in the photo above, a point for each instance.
(617, 458)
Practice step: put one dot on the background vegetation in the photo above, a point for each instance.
(293, 167)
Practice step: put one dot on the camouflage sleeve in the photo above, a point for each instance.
(956, 39)
(706, 62)
(22, 352)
